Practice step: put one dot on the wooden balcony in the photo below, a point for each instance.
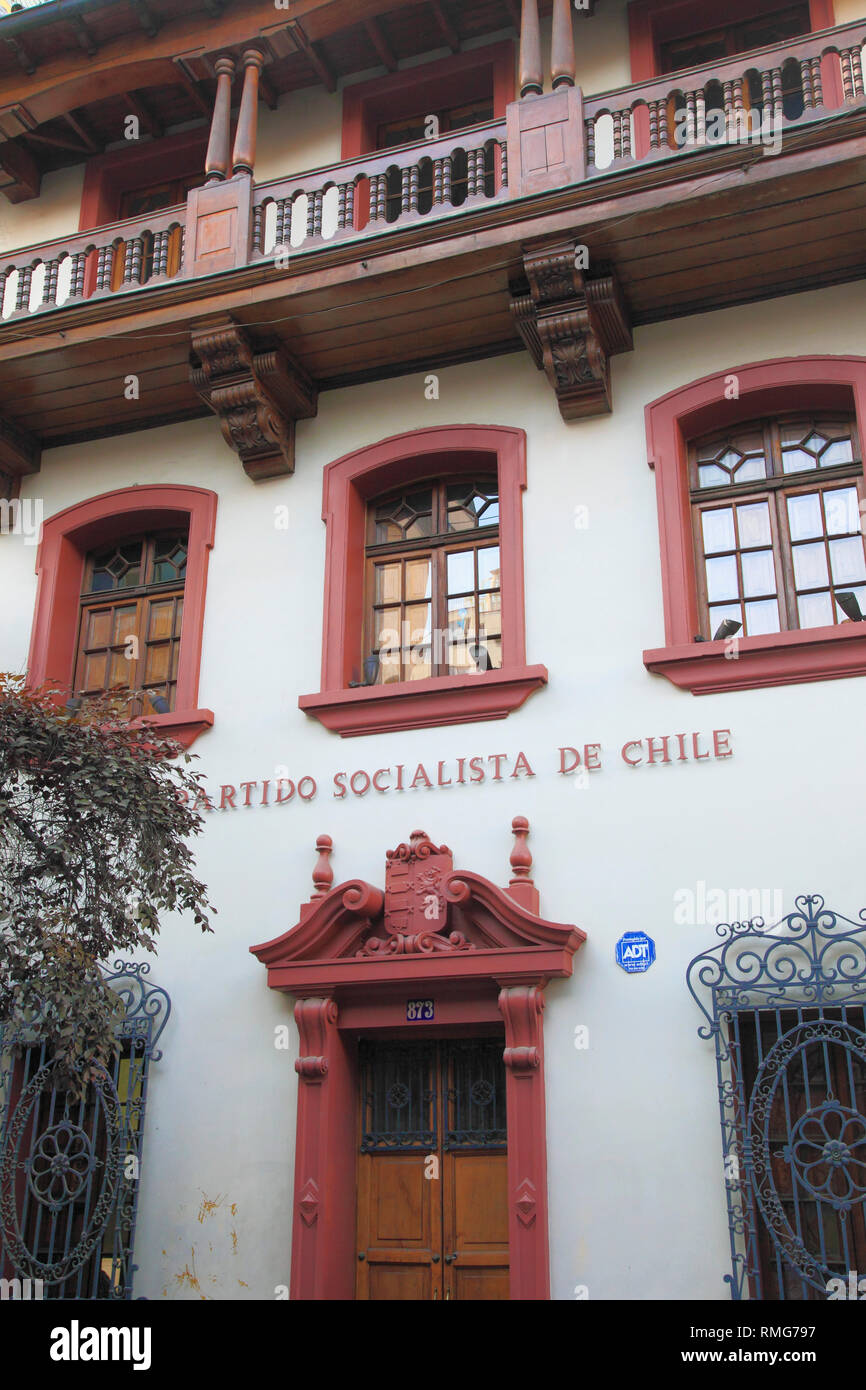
(726, 183)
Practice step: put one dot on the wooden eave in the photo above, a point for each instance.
(163, 52)
(685, 235)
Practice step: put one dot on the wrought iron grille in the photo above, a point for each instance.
(418, 1095)
(785, 1009)
(69, 1169)
(476, 1095)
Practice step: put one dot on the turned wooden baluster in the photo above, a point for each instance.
(104, 267)
(590, 142)
(258, 228)
(531, 74)
(700, 118)
(471, 174)
(244, 152)
(22, 296)
(447, 171)
(284, 222)
(806, 80)
(350, 204)
(76, 278)
(562, 45)
(438, 180)
(160, 253)
(690, 118)
(852, 73)
(217, 159)
(314, 213)
(132, 264)
(404, 190)
(378, 196)
(342, 190)
(414, 181)
(817, 84)
(49, 284)
(503, 162)
(653, 111)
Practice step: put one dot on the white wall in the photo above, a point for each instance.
(636, 1188)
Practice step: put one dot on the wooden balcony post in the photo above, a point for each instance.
(531, 74)
(562, 45)
(244, 153)
(217, 158)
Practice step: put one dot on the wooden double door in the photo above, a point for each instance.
(432, 1213)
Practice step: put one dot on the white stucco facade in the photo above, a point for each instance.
(633, 1131)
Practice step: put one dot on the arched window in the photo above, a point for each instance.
(434, 581)
(776, 512)
(131, 616)
(424, 542)
(120, 602)
(759, 479)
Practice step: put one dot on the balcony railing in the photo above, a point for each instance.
(765, 93)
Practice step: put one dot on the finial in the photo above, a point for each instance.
(521, 886)
(323, 874)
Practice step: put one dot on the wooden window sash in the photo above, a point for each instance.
(142, 597)
(776, 488)
(437, 546)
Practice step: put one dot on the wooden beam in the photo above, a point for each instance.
(139, 107)
(149, 22)
(79, 127)
(20, 451)
(57, 142)
(84, 36)
(268, 93)
(23, 56)
(452, 38)
(380, 43)
(24, 177)
(192, 89)
(317, 63)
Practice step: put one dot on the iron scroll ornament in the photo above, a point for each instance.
(806, 975)
(67, 1207)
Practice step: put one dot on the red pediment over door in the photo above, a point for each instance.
(353, 960)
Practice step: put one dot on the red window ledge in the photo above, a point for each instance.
(184, 726)
(380, 709)
(780, 658)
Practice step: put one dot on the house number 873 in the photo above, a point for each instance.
(419, 1010)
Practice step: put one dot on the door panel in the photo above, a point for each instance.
(475, 1201)
(432, 1171)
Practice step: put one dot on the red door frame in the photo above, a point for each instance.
(492, 968)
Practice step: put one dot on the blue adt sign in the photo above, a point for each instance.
(635, 952)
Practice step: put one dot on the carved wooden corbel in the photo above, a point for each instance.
(257, 395)
(572, 326)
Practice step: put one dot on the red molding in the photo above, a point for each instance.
(786, 383)
(486, 950)
(781, 658)
(348, 483)
(69, 535)
(461, 78)
(444, 700)
(651, 22)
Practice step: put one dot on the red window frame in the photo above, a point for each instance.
(832, 384)
(452, 81)
(349, 483)
(68, 537)
(654, 22)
